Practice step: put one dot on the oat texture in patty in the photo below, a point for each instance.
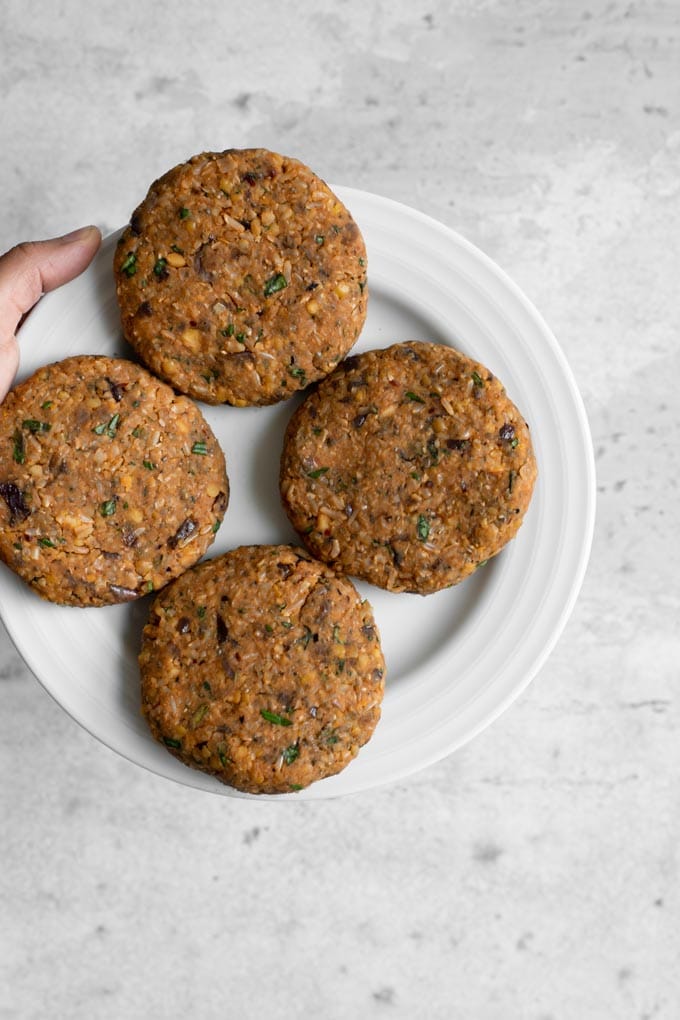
(263, 668)
(408, 467)
(110, 484)
(241, 277)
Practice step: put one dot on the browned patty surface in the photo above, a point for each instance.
(110, 484)
(263, 668)
(408, 467)
(241, 277)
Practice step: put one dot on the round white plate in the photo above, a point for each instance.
(455, 659)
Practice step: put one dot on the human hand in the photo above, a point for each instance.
(26, 272)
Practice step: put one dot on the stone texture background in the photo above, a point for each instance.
(534, 874)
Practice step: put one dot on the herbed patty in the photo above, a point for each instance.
(241, 277)
(263, 668)
(408, 467)
(110, 484)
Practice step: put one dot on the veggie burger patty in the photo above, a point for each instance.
(110, 484)
(408, 467)
(241, 277)
(262, 667)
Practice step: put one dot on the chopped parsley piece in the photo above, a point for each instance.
(129, 266)
(36, 426)
(216, 527)
(274, 284)
(109, 427)
(274, 717)
(149, 465)
(317, 473)
(47, 405)
(291, 753)
(199, 714)
(229, 331)
(179, 251)
(306, 637)
(107, 508)
(319, 238)
(477, 379)
(19, 451)
(200, 447)
(200, 612)
(46, 543)
(171, 742)
(423, 528)
(414, 396)
(160, 269)
(184, 213)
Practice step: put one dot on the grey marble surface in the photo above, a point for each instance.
(533, 874)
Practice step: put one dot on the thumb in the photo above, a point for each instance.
(29, 270)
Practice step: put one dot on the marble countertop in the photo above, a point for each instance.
(532, 874)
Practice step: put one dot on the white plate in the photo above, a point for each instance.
(455, 659)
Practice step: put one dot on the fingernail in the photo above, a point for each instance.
(77, 235)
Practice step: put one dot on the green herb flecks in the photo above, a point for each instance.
(200, 612)
(33, 425)
(199, 715)
(108, 428)
(317, 472)
(275, 718)
(414, 397)
(160, 269)
(171, 742)
(274, 284)
(129, 266)
(47, 404)
(306, 637)
(291, 753)
(216, 526)
(319, 239)
(108, 507)
(477, 379)
(46, 543)
(200, 448)
(149, 465)
(175, 248)
(19, 447)
(183, 213)
(222, 754)
(298, 373)
(423, 528)
(511, 480)
(229, 330)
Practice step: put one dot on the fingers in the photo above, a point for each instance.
(28, 271)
